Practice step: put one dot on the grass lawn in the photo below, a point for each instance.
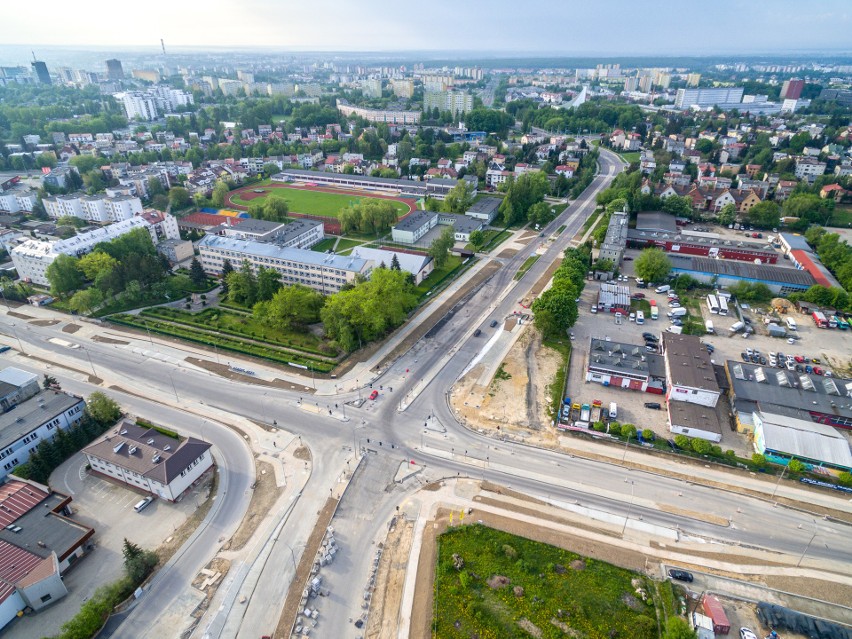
(841, 217)
(494, 238)
(346, 244)
(438, 275)
(325, 245)
(526, 266)
(544, 591)
(589, 222)
(314, 202)
(631, 156)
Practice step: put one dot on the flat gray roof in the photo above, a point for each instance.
(252, 225)
(744, 270)
(615, 356)
(59, 534)
(463, 223)
(32, 413)
(655, 221)
(805, 439)
(415, 220)
(689, 362)
(695, 416)
(485, 206)
(309, 175)
(263, 249)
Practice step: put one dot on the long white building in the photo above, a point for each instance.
(31, 258)
(323, 272)
(687, 98)
(93, 208)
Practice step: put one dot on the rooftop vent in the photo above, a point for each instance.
(131, 450)
(117, 447)
(150, 441)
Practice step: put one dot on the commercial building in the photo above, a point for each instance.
(388, 116)
(33, 420)
(626, 366)
(176, 251)
(613, 297)
(114, 70)
(462, 225)
(694, 420)
(31, 258)
(40, 69)
(792, 89)
(803, 257)
(612, 248)
(418, 264)
(689, 371)
(394, 186)
(687, 98)
(146, 459)
(98, 208)
(782, 438)
(60, 176)
(326, 273)
(456, 102)
(301, 233)
(726, 273)
(824, 400)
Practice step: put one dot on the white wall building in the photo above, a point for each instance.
(94, 208)
(146, 459)
(138, 106)
(453, 101)
(689, 370)
(326, 273)
(687, 98)
(414, 226)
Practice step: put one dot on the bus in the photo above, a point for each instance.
(713, 304)
(640, 317)
(723, 305)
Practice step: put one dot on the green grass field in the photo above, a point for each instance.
(631, 156)
(314, 202)
(526, 266)
(492, 584)
(842, 217)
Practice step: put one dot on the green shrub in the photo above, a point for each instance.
(700, 446)
(628, 430)
(796, 466)
(682, 442)
(599, 426)
(615, 428)
(648, 435)
(758, 460)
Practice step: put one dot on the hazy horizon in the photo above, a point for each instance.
(611, 28)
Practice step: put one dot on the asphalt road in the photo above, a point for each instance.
(169, 390)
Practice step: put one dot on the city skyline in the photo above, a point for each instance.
(611, 27)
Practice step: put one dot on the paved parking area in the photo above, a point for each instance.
(108, 508)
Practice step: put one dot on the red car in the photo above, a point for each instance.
(818, 370)
(638, 296)
(374, 394)
(799, 359)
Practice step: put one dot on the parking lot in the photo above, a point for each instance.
(107, 507)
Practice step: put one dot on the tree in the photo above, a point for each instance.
(196, 273)
(653, 265)
(604, 265)
(275, 209)
(477, 239)
(268, 283)
(678, 205)
(86, 301)
(220, 192)
(94, 263)
(765, 215)
(155, 187)
(64, 275)
(459, 199)
(49, 381)
(394, 265)
(269, 169)
(179, 197)
(102, 409)
(441, 245)
(678, 628)
(227, 269)
(291, 307)
(727, 215)
(242, 285)
(796, 466)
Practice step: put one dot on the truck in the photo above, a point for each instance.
(736, 327)
(596, 411)
(655, 311)
(714, 610)
(776, 330)
(677, 312)
(819, 319)
(708, 326)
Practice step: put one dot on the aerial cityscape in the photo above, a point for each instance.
(385, 323)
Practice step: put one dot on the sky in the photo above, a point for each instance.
(544, 27)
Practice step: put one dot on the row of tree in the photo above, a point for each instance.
(556, 310)
(521, 194)
(368, 216)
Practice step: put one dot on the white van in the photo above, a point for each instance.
(677, 312)
(613, 410)
(142, 505)
(708, 326)
(665, 288)
(791, 323)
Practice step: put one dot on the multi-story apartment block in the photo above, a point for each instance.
(403, 88)
(389, 116)
(326, 273)
(453, 101)
(138, 106)
(94, 208)
(687, 98)
(809, 168)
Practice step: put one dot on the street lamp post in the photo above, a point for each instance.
(148, 330)
(86, 350)
(808, 547)
(629, 508)
(626, 444)
(174, 388)
(15, 333)
(778, 483)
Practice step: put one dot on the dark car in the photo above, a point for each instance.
(800, 368)
(493, 323)
(477, 333)
(809, 369)
(745, 356)
(654, 405)
(762, 360)
(710, 348)
(649, 337)
(680, 575)
(638, 296)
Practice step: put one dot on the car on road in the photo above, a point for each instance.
(477, 333)
(653, 405)
(746, 633)
(3, 349)
(142, 505)
(681, 575)
(493, 323)
(374, 394)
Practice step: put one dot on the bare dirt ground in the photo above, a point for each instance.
(506, 253)
(109, 340)
(265, 494)
(71, 328)
(387, 596)
(505, 403)
(50, 322)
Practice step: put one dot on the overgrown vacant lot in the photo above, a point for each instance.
(494, 585)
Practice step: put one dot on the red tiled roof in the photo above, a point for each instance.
(15, 564)
(210, 219)
(16, 499)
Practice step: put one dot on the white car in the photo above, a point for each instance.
(749, 352)
(745, 633)
(674, 304)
